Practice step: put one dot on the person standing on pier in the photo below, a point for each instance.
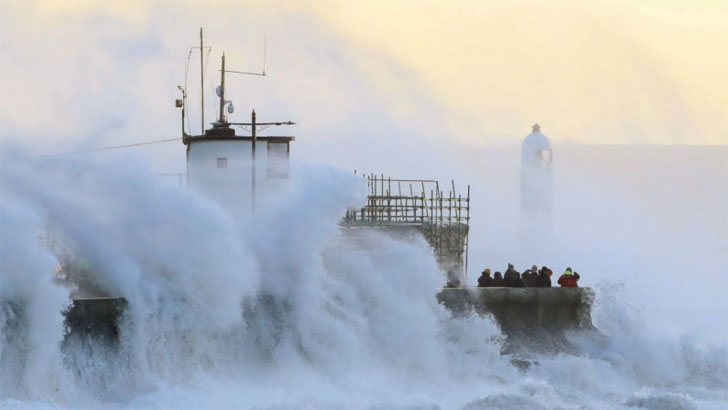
(498, 280)
(485, 281)
(543, 279)
(568, 279)
(529, 276)
(512, 278)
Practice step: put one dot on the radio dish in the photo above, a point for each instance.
(231, 109)
(218, 91)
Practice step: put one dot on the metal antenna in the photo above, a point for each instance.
(202, 87)
(202, 47)
(222, 84)
(207, 62)
(187, 69)
(265, 54)
(265, 49)
(222, 90)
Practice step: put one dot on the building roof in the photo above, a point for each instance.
(207, 138)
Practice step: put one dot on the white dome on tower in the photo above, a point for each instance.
(535, 140)
(536, 148)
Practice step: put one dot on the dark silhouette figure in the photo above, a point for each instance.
(508, 276)
(485, 281)
(529, 276)
(512, 278)
(498, 280)
(543, 278)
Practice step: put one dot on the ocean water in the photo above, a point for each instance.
(344, 326)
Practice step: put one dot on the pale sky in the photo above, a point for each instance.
(588, 71)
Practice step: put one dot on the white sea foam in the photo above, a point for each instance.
(342, 326)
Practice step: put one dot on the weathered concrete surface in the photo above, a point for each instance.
(533, 320)
(97, 317)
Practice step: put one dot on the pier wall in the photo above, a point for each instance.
(532, 320)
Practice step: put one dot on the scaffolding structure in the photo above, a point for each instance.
(443, 218)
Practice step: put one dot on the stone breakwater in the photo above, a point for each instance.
(532, 320)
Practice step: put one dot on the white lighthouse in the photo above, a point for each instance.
(536, 178)
(236, 171)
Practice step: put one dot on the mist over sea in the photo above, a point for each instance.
(646, 226)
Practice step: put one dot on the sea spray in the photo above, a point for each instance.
(185, 269)
(277, 309)
(175, 258)
(31, 328)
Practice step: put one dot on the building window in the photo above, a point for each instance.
(222, 162)
(546, 156)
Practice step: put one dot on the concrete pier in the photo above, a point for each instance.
(533, 320)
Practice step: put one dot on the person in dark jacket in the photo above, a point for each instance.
(485, 281)
(512, 278)
(543, 279)
(509, 276)
(529, 276)
(568, 280)
(498, 280)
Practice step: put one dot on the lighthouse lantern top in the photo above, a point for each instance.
(536, 149)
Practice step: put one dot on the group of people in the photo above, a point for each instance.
(530, 278)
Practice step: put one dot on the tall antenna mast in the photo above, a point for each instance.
(222, 91)
(202, 86)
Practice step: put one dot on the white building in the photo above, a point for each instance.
(238, 172)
